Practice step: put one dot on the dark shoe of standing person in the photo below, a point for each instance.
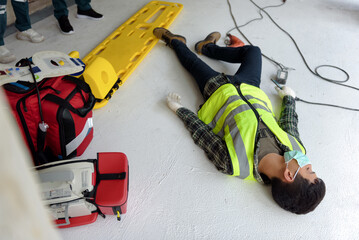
(89, 14)
(65, 25)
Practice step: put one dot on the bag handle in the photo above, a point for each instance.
(89, 104)
(80, 82)
(65, 104)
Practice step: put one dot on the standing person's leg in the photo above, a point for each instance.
(60, 8)
(5, 55)
(21, 10)
(84, 10)
(83, 5)
(23, 24)
(248, 56)
(3, 21)
(61, 14)
(195, 66)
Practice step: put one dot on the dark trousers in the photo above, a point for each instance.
(21, 10)
(60, 7)
(248, 56)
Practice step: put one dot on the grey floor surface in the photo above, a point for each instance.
(175, 192)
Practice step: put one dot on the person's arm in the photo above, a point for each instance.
(203, 136)
(288, 119)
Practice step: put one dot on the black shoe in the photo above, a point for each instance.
(65, 25)
(89, 14)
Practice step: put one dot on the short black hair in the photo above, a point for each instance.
(300, 197)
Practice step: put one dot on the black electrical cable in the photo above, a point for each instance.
(255, 19)
(245, 37)
(326, 104)
(315, 72)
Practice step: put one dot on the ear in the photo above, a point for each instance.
(288, 176)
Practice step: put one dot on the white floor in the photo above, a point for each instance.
(175, 192)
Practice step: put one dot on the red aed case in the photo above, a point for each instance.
(76, 191)
(112, 183)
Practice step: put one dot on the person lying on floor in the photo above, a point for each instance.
(236, 126)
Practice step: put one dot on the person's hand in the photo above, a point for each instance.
(285, 91)
(174, 101)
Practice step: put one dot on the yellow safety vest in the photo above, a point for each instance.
(233, 114)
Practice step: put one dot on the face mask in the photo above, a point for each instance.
(301, 159)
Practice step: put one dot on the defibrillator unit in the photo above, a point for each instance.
(76, 191)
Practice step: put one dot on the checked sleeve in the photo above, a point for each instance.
(288, 120)
(203, 136)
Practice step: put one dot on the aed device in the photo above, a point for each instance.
(77, 191)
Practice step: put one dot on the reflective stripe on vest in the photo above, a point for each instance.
(233, 120)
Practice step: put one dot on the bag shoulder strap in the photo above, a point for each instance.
(88, 105)
(112, 176)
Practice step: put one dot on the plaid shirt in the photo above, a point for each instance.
(216, 148)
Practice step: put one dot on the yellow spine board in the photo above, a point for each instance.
(112, 61)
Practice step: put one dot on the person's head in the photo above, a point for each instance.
(298, 193)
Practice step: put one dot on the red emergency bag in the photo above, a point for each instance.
(76, 191)
(61, 126)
